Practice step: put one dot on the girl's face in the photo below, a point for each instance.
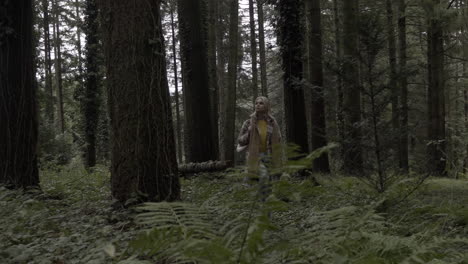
(260, 106)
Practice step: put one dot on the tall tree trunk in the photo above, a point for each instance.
(143, 151)
(436, 95)
(91, 97)
(318, 131)
(176, 84)
(353, 162)
(221, 65)
(78, 43)
(253, 50)
(230, 95)
(214, 94)
(403, 85)
(58, 65)
(197, 104)
(339, 77)
(290, 39)
(18, 132)
(49, 109)
(261, 39)
(393, 75)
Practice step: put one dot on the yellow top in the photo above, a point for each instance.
(262, 130)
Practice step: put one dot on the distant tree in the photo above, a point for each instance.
(315, 67)
(261, 44)
(436, 94)
(199, 138)
(18, 114)
(91, 100)
(49, 101)
(176, 81)
(253, 49)
(58, 64)
(290, 37)
(143, 149)
(403, 85)
(352, 159)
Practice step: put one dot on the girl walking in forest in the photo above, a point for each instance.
(261, 137)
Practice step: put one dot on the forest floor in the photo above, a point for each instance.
(327, 220)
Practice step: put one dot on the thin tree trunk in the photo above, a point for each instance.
(176, 84)
(261, 39)
(49, 109)
(436, 96)
(393, 76)
(403, 84)
(143, 151)
(78, 43)
(318, 131)
(214, 91)
(18, 112)
(339, 77)
(221, 65)
(253, 50)
(92, 94)
(230, 95)
(58, 66)
(353, 162)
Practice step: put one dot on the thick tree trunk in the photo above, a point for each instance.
(436, 96)
(176, 84)
(253, 50)
(261, 39)
(200, 145)
(290, 39)
(230, 95)
(214, 91)
(403, 85)
(49, 101)
(58, 66)
(143, 150)
(18, 114)
(353, 162)
(318, 131)
(92, 95)
(393, 76)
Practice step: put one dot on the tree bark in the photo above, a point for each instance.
(143, 151)
(200, 145)
(230, 95)
(339, 77)
(290, 39)
(318, 129)
(92, 94)
(403, 85)
(176, 84)
(58, 66)
(436, 95)
(353, 162)
(261, 39)
(253, 50)
(18, 113)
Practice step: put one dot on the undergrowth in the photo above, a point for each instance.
(221, 219)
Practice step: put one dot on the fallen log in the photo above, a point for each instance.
(207, 166)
